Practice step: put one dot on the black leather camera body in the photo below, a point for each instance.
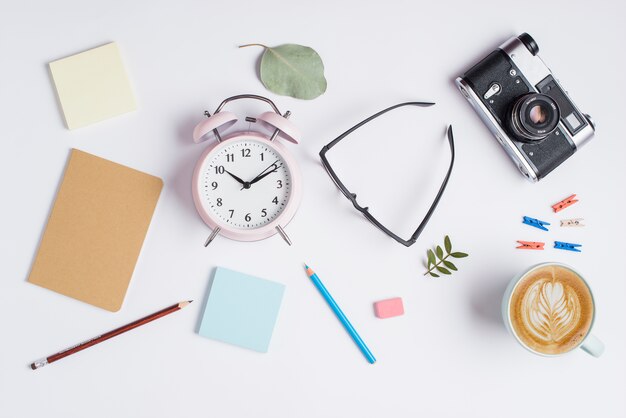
(524, 106)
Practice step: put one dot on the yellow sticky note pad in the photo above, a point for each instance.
(93, 86)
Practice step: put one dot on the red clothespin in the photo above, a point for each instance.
(564, 203)
(530, 245)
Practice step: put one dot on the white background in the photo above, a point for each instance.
(449, 355)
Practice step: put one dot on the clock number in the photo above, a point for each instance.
(232, 212)
(248, 218)
(279, 184)
(219, 169)
(230, 158)
(275, 200)
(214, 185)
(264, 213)
(219, 201)
(262, 157)
(245, 152)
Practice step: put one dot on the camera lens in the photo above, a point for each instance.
(534, 116)
(538, 114)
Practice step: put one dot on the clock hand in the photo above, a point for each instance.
(262, 172)
(257, 178)
(235, 177)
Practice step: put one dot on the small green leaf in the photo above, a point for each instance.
(431, 257)
(443, 270)
(292, 70)
(449, 265)
(438, 263)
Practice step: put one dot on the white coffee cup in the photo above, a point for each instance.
(589, 343)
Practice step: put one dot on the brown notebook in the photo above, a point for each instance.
(96, 229)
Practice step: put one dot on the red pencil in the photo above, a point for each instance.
(97, 340)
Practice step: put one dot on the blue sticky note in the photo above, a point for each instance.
(241, 309)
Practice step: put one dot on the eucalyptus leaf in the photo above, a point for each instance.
(292, 70)
(434, 274)
(448, 244)
(449, 265)
(459, 255)
(443, 270)
(439, 252)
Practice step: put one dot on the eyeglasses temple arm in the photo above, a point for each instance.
(441, 190)
(374, 116)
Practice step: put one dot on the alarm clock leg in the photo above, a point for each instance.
(212, 236)
(283, 234)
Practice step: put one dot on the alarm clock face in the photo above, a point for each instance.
(245, 185)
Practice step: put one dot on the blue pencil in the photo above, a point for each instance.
(340, 315)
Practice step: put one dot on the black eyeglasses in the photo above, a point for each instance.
(352, 196)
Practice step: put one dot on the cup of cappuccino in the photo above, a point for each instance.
(549, 309)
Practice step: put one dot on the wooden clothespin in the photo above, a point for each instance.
(530, 245)
(572, 222)
(535, 222)
(564, 203)
(567, 246)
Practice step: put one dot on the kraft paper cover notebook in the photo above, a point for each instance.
(96, 229)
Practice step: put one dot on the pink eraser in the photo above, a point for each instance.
(389, 308)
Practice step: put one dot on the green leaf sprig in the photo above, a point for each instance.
(292, 70)
(443, 265)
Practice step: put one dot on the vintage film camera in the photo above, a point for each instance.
(524, 106)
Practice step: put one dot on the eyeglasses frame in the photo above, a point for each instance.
(352, 196)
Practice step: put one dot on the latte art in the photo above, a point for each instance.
(551, 310)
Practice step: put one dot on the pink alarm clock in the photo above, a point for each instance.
(246, 186)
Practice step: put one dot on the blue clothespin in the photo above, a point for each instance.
(535, 222)
(567, 246)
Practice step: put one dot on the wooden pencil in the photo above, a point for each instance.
(100, 338)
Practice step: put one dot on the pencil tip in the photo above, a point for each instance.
(309, 270)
